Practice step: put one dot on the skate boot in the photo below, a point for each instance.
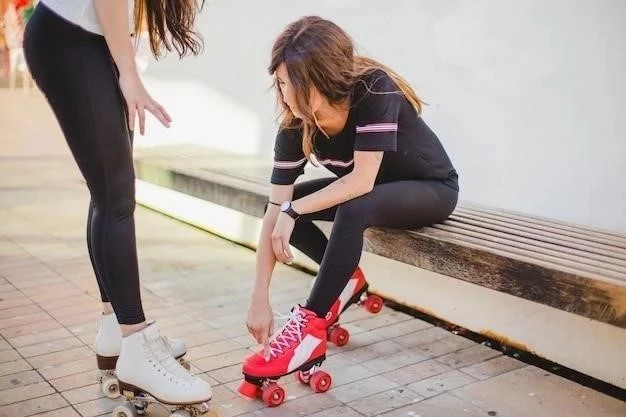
(354, 292)
(107, 346)
(148, 373)
(299, 346)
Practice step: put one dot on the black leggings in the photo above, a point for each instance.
(75, 71)
(399, 205)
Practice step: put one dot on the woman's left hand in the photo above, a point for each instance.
(281, 236)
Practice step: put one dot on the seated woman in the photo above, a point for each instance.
(362, 122)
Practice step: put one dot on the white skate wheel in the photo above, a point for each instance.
(110, 387)
(125, 410)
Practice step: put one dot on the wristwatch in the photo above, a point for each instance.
(288, 209)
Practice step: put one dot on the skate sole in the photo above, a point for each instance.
(304, 367)
(132, 392)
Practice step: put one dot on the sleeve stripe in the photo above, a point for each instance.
(289, 164)
(336, 163)
(377, 127)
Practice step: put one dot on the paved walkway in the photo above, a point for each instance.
(197, 287)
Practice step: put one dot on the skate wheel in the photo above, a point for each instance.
(125, 410)
(273, 395)
(303, 378)
(320, 381)
(110, 387)
(338, 336)
(374, 304)
(248, 389)
(184, 364)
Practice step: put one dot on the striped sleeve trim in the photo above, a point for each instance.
(377, 127)
(289, 164)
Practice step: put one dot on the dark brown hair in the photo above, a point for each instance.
(170, 25)
(318, 53)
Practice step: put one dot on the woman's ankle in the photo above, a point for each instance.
(128, 329)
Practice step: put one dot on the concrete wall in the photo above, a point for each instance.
(526, 95)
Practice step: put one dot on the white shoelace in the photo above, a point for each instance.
(289, 333)
(162, 353)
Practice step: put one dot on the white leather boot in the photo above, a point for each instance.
(146, 368)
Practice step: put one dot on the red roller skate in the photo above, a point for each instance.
(299, 346)
(354, 292)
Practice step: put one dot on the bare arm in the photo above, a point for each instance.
(357, 183)
(266, 260)
(113, 19)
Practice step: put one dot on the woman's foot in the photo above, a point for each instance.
(146, 366)
(108, 344)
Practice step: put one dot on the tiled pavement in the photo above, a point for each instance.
(197, 287)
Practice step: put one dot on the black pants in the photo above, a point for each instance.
(75, 71)
(400, 205)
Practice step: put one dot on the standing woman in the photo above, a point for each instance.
(82, 57)
(363, 122)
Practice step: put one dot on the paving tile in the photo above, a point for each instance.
(50, 347)
(25, 392)
(39, 337)
(29, 329)
(93, 408)
(61, 412)
(444, 405)
(65, 356)
(13, 367)
(493, 367)
(468, 356)
(394, 361)
(19, 379)
(417, 372)
(9, 355)
(440, 383)
(362, 388)
(83, 394)
(385, 401)
(33, 406)
(68, 368)
(75, 380)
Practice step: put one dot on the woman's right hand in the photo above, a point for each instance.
(138, 101)
(260, 322)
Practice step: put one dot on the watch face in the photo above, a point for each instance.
(285, 206)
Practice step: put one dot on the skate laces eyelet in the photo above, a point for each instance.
(290, 333)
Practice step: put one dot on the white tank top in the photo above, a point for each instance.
(83, 13)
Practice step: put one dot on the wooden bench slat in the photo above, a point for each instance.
(563, 228)
(571, 232)
(537, 245)
(492, 243)
(548, 237)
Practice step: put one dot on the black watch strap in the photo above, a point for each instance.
(291, 212)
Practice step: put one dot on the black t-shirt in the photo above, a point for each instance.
(380, 119)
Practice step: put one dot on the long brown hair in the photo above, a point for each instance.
(170, 25)
(318, 53)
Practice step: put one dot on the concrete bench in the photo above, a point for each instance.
(559, 268)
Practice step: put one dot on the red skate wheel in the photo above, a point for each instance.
(320, 381)
(273, 395)
(339, 336)
(374, 304)
(248, 389)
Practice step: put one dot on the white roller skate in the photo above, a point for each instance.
(148, 373)
(107, 346)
